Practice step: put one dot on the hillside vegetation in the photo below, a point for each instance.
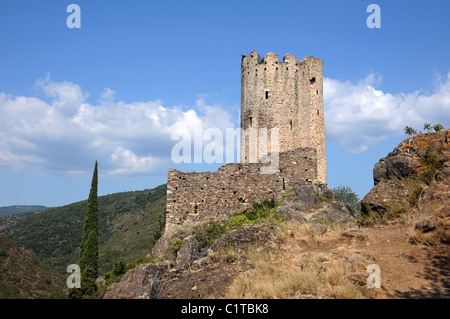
(23, 275)
(127, 222)
(18, 209)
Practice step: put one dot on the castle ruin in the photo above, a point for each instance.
(287, 96)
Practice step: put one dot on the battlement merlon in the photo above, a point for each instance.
(270, 58)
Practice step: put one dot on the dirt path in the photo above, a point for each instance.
(407, 270)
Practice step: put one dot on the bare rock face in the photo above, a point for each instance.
(397, 164)
(302, 199)
(334, 212)
(189, 251)
(163, 246)
(383, 194)
(406, 160)
(432, 212)
(142, 282)
(247, 234)
(303, 204)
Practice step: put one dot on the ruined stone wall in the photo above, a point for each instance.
(285, 95)
(193, 198)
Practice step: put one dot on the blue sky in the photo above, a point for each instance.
(115, 89)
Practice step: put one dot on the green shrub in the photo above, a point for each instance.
(207, 232)
(410, 131)
(431, 164)
(119, 268)
(415, 189)
(438, 127)
(176, 246)
(267, 203)
(265, 211)
(237, 220)
(346, 195)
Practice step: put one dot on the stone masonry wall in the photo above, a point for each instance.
(286, 95)
(193, 198)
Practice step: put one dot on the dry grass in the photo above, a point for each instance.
(441, 233)
(432, 238)
(286, 273)
(398, 212)
(227, 254)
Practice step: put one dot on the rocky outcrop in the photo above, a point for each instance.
(334, 212)
(197, 273)
(431, 215)
(189, 251)
(246, 235)
(383, 195)
(304, 204)
(407, 160)
(398, 164)
(142, 282)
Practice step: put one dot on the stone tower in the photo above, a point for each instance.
(286, 95)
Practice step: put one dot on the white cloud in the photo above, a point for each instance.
(66, 96)
(67, 134)
(359, 115)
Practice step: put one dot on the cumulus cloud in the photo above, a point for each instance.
(360, 115)
(67, 134)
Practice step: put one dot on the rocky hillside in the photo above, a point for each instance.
(23, 275)
(210, 258)
(127, 222)
(310, 246)
(412, 183)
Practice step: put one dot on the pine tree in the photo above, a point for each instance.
(88, 255)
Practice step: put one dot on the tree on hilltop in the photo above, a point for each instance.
(438, 127)
(410, 131)
(427, 127)
(88, 254)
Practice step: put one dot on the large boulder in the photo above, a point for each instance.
(247, 234)
(396, 165)
(334, 212)
(189, 251)
(142, 282)
(299, 201)
(383, 195)
(407, 160)
(304, 204)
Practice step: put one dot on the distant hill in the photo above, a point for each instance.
(23, 275)
(17, 209)
(127, 222)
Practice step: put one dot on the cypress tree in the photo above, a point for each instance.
(88, 254)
